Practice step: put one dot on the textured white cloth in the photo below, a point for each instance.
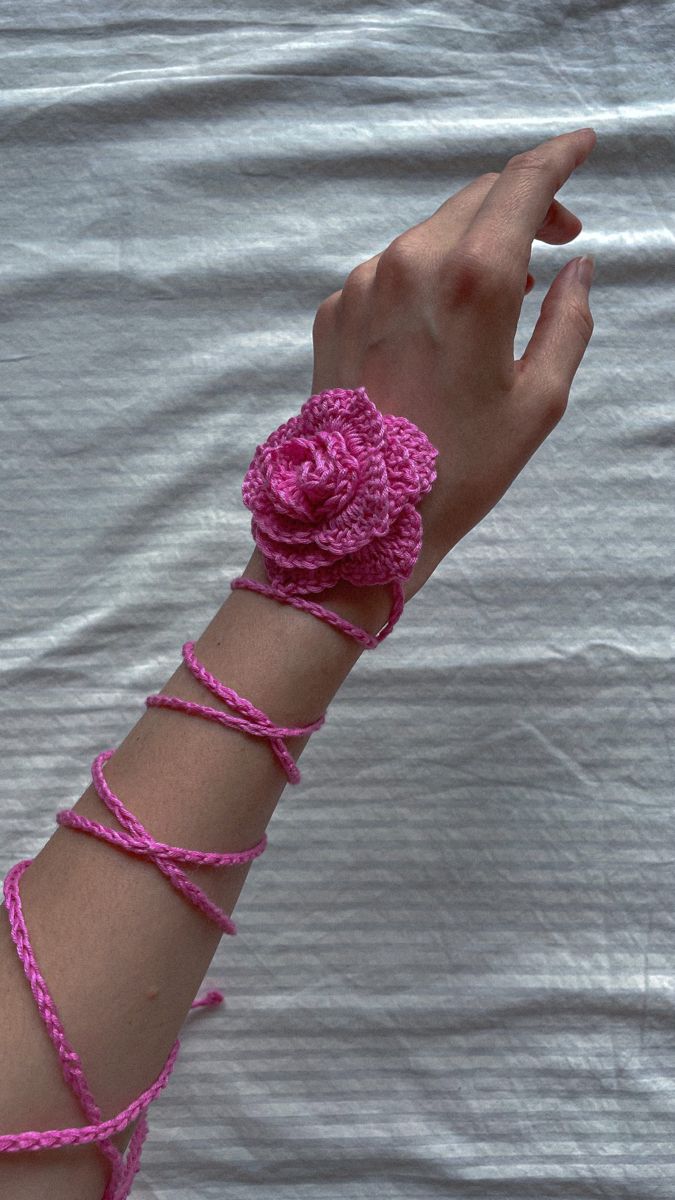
(483, 1007)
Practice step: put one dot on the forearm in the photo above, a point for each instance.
(123, 954)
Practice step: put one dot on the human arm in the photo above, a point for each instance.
(122, 952)
(426, 327)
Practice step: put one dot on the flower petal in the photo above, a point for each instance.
(410, 458)
(345, 409)
(333, 492)
(292, 582)
(307, 555)
(362, 426)
(367, 514)
(390, 557)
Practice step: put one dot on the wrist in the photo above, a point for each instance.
(368, 607)
(286, 661)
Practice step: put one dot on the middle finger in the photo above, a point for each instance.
(452, 218)
(515, 208)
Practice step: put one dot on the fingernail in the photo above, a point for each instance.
(585, 268)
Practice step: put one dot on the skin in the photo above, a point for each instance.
(428, 327)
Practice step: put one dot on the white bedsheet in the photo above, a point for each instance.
(454, 968)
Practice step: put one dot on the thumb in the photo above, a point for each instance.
(559, 339)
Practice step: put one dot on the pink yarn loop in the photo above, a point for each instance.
(258, 724)
(162, 856)
(369, 640)
(136, 840)
(123, 1168)
(339, 476)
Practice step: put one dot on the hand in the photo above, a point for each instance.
(428, 328)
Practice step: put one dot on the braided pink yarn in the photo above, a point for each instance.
(258, 724)
(136, 840)
(333, 493)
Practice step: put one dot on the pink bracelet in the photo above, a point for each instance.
(339, 448)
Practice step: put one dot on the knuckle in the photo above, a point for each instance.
(490, 177)
(325, 314)
(399, 266)
(555, 401)
(471, 278)
(466, 276)
(358, 283)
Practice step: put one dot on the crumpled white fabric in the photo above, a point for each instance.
(454, 968)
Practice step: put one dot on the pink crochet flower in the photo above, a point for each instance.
(333, 493)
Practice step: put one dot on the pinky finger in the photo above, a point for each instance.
(558, 343)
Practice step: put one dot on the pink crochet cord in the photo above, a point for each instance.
(369, 640)
(339, 475)
(168, 859)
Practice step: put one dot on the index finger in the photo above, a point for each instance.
(515, 207)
